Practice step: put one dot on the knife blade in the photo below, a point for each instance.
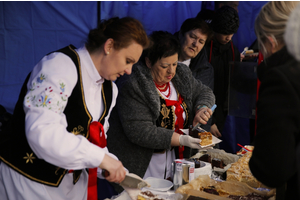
(133, 182)
(197, 126)
(129, 181)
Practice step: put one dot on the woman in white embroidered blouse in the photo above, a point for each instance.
(111, 50)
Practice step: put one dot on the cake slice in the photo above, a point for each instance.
(206, 138)
(205, 158)
(217, 163)
(147, 195)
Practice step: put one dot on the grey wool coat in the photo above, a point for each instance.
(133, 134)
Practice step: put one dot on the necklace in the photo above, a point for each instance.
(164, 88)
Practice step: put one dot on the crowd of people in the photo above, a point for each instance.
(118, 104)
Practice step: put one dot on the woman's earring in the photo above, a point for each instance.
(107, 52)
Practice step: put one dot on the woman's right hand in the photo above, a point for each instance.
(215, 131)
(202, 116)
(115, 168)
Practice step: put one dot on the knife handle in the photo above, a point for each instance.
(105, 173)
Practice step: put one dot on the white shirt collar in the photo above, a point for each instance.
(186, 62)
(91, 69)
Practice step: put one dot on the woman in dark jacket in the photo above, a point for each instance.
(278, 108)
(144, 127)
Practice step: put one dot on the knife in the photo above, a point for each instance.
(198, 125)
(129, 181)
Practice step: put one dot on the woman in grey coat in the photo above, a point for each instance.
(144, 126)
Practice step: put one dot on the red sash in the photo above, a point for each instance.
(179, 121)
(96, 129)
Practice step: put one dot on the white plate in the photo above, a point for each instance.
(215, 140)
(159, 184)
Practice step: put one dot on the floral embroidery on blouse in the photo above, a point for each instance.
(62, 87)
(51, 97)
(41, 78)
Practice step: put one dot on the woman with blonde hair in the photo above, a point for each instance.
(278, 132)
(270, 25)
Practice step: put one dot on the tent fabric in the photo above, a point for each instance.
(155, 15)
(29, 30)
(245, 36)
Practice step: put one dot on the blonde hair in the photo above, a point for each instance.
(271, 22)
(292, 33)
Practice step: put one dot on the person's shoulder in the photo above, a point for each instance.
(182, 67)
(233, 44)
(57, 62)
(235, 47)
(139, 71)
(206, 15)
(183, 70)
(291, 68)
(202, 55)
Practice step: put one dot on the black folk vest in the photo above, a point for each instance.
(167, 118)
(14, 148)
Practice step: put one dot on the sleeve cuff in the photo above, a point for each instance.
(95, 156)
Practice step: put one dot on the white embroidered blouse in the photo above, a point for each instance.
(51, 83)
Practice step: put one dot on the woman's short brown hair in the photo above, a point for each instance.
(122, 30)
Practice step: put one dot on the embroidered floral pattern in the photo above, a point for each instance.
(29, 158)
(165, 113)
(62, 87)
(41, 78)
(77, 131)
(32, 87)
(47, 95)
(45, 100)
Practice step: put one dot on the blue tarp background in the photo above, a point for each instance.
(29, 30)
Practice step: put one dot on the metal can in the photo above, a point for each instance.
(183, 172)
(188, 168)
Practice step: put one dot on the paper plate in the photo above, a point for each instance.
(215, 140)
(159, 184)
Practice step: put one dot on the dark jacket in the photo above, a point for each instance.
(278, 124)
(202, 70)
(133, 135)
(219, 56)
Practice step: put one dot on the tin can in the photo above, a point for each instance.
(177, 173)
(183, 172)
(188, 171)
